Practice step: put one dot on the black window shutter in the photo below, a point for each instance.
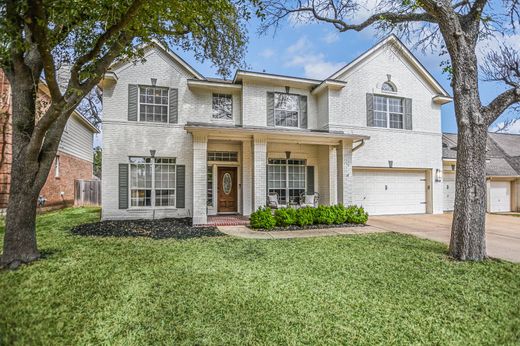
(408, 114)
(132, 101)
(180, 188)
(270, 109)
(123, 186)
(303, 111)
(174, 106)
(370, 109)
(310, 180)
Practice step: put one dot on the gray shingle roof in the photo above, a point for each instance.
(502, 153)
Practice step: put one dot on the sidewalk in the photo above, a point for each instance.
(245, 232)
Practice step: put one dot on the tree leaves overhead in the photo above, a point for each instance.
(72, 29)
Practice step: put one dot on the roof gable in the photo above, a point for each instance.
(405, 53)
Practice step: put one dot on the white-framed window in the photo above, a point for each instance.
(230, 156)
(286, 110)
(286, 178)
(388, 112)
(222, 106)
(388, 87)
(57, 166)
(153, 104)
(152, 182)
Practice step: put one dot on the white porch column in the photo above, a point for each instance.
(333, 175)
(247, 178)
(345, 173)
(259, 172)
(200, 162)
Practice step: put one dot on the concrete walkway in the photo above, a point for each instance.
(245, 232)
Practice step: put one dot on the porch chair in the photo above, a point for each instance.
(309, 200)
(273, 201)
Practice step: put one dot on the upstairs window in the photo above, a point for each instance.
(388, 112)
(222, 106)
(153, 104)
(286, 110)
(387, 86)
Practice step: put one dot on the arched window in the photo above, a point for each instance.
(387, 86)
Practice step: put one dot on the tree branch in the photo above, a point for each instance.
(502, 102)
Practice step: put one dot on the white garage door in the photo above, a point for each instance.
(449, 191)
(500, 196)
(390, 192)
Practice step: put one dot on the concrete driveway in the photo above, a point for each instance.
(502, 231)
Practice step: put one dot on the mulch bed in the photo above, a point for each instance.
(155, 229)
(298, 228)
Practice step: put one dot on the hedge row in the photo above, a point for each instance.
(323, 215)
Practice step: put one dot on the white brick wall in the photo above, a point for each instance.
(200, 162)
(259, 171)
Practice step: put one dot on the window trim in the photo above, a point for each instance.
(139, 104)
(287, 165)
(392, 85)
(152, 196)
(212, 104)
(274, 110)
(387, 97)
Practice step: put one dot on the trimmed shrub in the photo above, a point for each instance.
(324, 215)
(340, 214)
(285, 217)
(357, 215)
(262, 218)
(305, 216)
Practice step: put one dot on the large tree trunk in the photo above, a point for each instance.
(20, 233)
(468, 237)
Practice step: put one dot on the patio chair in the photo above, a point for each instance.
(273, 201)
(309, 200)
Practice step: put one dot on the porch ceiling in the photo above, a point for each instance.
(280, 135)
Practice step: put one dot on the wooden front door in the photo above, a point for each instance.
(227, 190)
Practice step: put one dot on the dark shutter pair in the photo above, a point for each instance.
(407, 105)
(180, 187)
(270, 110)
(133, 101)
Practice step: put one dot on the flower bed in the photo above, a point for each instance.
(287, 219)
(156, 229)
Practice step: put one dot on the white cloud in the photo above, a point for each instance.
(267, 53)
(514, 128)
(331, 37)
(301, 54)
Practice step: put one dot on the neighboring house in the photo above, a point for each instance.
(73, 160)
(502, 171)
(177, 144)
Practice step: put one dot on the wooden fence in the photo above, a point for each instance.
(87, 192)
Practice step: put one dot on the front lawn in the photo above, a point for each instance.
(370, 289)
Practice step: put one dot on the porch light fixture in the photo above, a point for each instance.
(287, 89)
(390, 163)
(438, 175)
(154, 81)
(287, 155)
(152, 153)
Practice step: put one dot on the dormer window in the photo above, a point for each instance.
(286, 110)
(388, 87)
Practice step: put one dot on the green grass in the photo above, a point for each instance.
(372, 289)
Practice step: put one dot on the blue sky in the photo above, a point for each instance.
(317, 50)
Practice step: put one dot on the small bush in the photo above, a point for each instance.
(262, 218)
(356, 214)
(305, 216)
(324, 215)
(285, 217)
(340, 214)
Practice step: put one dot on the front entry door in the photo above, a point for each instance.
(227, 190)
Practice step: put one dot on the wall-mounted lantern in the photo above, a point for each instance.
(438, 175)
(390, 164)
(287, 155)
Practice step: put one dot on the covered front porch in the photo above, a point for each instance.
(235, 168)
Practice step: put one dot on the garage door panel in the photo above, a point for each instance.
(500, 196)
(390, 192)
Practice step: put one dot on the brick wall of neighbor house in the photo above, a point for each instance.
(70, 168)
(5, 140)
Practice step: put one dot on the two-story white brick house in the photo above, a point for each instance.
(178, 144)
